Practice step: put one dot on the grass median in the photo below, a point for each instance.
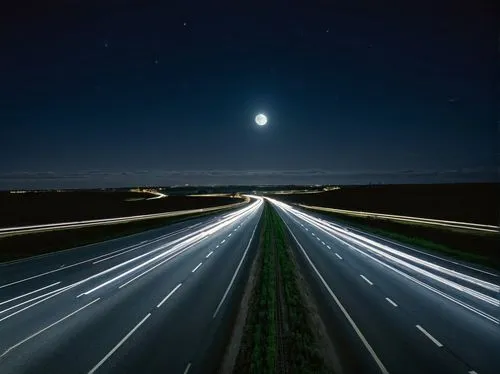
(278, 337)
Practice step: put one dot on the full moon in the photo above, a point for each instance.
(261, 119)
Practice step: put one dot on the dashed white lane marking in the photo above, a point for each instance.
(432, 338)
(318, 239)
(187, 368)
(196, 268)
(367, 345)
(120, 343)
(340, 258)
(328, 247)
(322, 242)
(230, 234)
(29, 293)
(169, 294)
(234, 275)
(307, 229)
(209, 254)
(222, 242)
(313, 234)
(366, 279)
(217, 246)
(48, 327)
(391, 302)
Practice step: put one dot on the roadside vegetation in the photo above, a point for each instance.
(479, 248)
(32, 244)
(278, 337)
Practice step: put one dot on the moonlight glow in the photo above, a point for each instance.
(261, 119)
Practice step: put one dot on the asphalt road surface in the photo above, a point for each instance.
(159, 301)
(392, 308)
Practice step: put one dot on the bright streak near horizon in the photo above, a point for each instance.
(261, 119)
(384, 253)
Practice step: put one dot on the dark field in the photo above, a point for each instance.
(21, 246)
(476, 203)
(53, 207)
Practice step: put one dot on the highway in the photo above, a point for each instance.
(158, 301)
(390, 308)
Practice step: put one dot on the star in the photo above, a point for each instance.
(106, 45)
(327, 30)
(185, 24)
(156, 61)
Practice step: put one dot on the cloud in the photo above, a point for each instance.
(117, 178)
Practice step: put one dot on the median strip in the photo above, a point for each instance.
(278, 336)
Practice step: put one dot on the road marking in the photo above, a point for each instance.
(209, 254)
(47, 327)
(366, 279)
(187, 368)
(94, 369)
(169, 294)
(29, 293)
(318, 239)
(340, 258)
(432, 338)
(322, 242)
(222, 242)
(391, 302)
(328, 247)
(43, 298)
(307, 229)
(60, 267)
(196, 268)
(344, 311)
(313, 234)
(230, 234)
(235, 274)
(217, 246)
(472, 372)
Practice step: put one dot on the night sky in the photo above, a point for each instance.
(115, 93)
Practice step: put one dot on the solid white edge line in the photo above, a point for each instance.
(169, 294)
(392, 302)
(432, 338)
(29, 293)
(47, 327)
(366, 280)
(188, 366)
(344, 311)
(235, 274)
(94, 369)
(209, 254)
(197, 267)
(340, 258)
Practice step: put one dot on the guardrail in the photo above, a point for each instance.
(9, 231)
(408, 219)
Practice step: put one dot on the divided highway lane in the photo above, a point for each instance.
(159, 306)
(400, 310)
